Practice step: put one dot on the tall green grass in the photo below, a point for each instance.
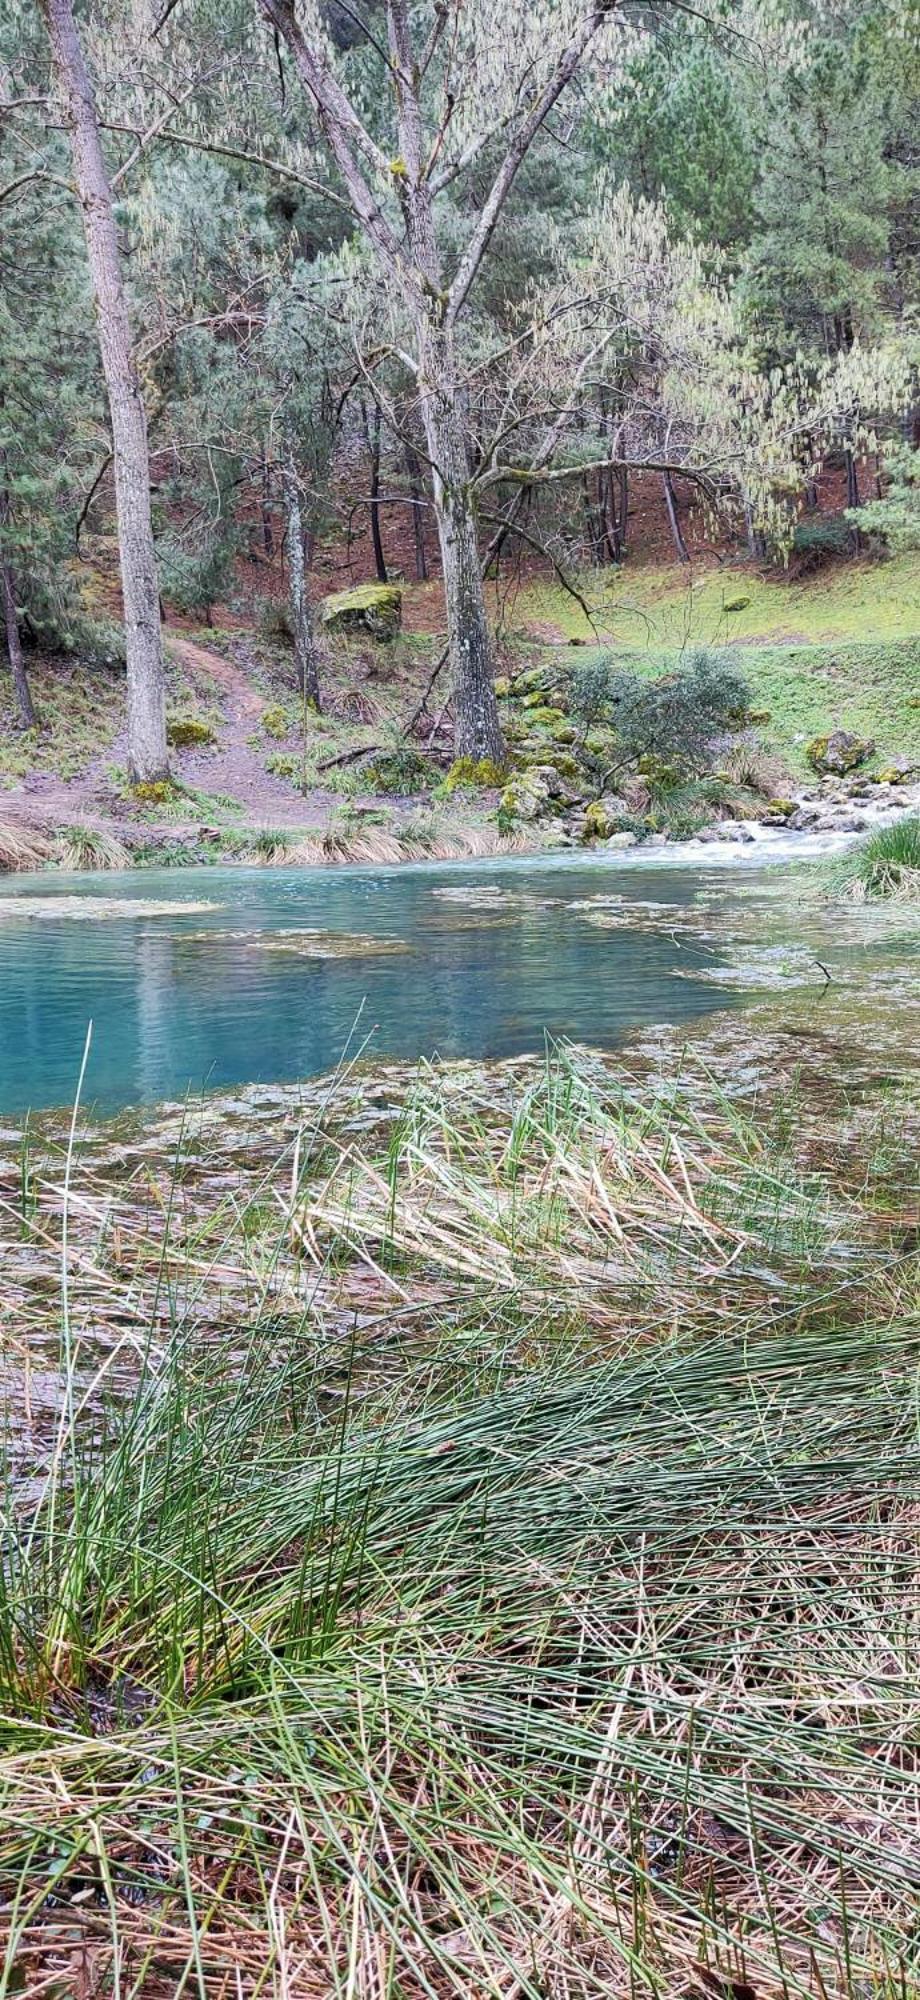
(477, 1556)
(887, 863)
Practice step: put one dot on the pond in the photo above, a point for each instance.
(216, 977)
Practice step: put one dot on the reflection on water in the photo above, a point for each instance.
(289, 968)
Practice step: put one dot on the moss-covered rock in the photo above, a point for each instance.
(781, 808)
(502, 687)
(531, 681)
(473, 774)
(739, 603)
(542, 716)
(186, 732)
(596, 825)
(838, 753)
(373, 608)
(531, 793)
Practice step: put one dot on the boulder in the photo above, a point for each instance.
(838, 753)
(735, 603)
(532, 794)
(374, 609)
(622, 839)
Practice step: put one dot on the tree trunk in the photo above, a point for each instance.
(265, 509)
(418, 519)
(372, 437)
(21, 686)
(676, 529)
(306, 651)
(146, 679)
(477, 730)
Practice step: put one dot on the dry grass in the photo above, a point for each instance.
(22, 848)
(89, 848)
(379, 846)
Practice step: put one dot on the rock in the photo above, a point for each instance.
(837, 753)
(735, 603)
(530, 792)
(531, 681)
(781, 808)
(622, 839)
(894, 774)
(596, 825)
(844, 822)
(373, 608)
(185, 732)
(502, 686)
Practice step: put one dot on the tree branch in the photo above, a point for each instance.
(565, 69)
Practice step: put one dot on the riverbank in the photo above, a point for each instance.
(257, 779)
(464, 1536)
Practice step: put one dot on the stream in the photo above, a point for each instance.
(218, 977)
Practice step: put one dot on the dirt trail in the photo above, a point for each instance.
(233, 770)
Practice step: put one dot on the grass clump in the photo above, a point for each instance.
(887, 864)
(474, 1541)
(22, 848)
(89, 847)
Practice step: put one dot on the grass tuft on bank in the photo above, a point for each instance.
(887, 864)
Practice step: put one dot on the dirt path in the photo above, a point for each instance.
(232, 771)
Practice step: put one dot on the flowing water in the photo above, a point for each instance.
(216, 977)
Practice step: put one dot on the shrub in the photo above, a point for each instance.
(588, 692)
(675, 719)
(818, 541)
(401, 771)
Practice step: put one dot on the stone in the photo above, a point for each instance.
(185, 732)
(622, 839)
(838, 753)
(373, 608)
(735, 603)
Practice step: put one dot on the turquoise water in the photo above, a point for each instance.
(206, 998)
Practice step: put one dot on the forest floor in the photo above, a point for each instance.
(837, 649)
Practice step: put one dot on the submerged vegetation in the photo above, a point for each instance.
(469, 1550)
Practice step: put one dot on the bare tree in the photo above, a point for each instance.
(412, 262)
(306, 650)
(146, 679)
